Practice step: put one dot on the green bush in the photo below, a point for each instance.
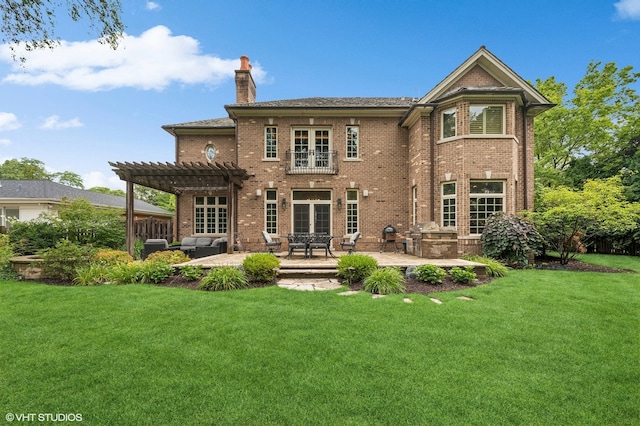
(62, 260)
(35, 235)
(261, 267)
(6, 251)
(110, 257)
(91, 275)
(463, 275)
(493, 267)
(155, 272)
(224, 278)
(192, 272)
(125, 273)
(169, 257)
(430, 273)
(356, 267)
(385, 281)
(511, 238)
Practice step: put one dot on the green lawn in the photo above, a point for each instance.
(535, 347)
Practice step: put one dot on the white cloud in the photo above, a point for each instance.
(93, 179)
(152, 5)
(628, 9)
(54, 123)
(5, 142)
(8, 121)
(151, 61)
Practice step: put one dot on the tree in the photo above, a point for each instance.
(32, 169)
(568, 219)
(596, 124)
(158, 198)
(32, 23)
(109, 191)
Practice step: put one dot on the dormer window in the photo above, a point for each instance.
(486, 119)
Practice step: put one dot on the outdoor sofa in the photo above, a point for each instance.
(196, 247)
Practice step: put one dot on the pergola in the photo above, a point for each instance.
(176, 178)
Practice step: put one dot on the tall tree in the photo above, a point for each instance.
(32, 169)
(596, 123)
(32, 23)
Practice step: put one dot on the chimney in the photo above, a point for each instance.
(245, 86)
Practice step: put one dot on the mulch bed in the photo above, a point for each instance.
(412, 285)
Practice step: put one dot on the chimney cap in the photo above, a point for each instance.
(244, 63)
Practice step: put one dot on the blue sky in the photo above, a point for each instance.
(82, 105)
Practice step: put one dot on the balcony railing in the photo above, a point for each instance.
(312, 162)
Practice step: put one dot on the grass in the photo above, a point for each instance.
(534, 347)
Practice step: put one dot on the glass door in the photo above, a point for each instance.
(312, 211)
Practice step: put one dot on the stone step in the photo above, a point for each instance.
(307, 273)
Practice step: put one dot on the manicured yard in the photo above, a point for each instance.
(535, 347)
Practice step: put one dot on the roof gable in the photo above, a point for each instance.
(489, 68)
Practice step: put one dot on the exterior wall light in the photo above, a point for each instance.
(284, 203)
(339, 203)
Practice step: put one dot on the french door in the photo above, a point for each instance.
(312, 211)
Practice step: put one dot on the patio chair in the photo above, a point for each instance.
(270, 243)
(153, 245)
(351, 244)
(320, 241)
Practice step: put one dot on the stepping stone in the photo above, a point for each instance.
(437, 301)
(378, 296)
(464, 298)
(348, 293)
(407, 300)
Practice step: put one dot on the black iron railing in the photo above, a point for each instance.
(312, 162)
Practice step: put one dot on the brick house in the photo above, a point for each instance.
(434, 168)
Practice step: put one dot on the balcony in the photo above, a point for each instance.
(312, 162)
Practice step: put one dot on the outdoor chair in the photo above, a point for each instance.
(351, 244)
(297, 242)
(270, 243)
(320, 241)
(153, 245)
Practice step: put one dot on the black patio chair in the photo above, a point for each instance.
(320, 241)
(351, 244)
(298, 242)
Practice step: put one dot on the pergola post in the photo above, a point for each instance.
(129, 218)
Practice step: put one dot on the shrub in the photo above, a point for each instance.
(6, 251)
(62, 260)
(129, 273)
(154, 272)
(493, 267)
(261, 267)
(35, 235)
(462, 275)
(430, 273)
(110, 257)
(510, 237)
(192, 272)
(169, 257)
(224, 278)
(91, 275)
(385, 281)
(356, 267)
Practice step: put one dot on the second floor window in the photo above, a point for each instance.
(271, 142)
(311, 147)
(353, 139)
(449, 123)
(486, 119)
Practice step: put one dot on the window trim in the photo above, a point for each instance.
(484, 124)
(453, 197)
(349, 205)
(453, 110)
(219, 208)
(357, 143)
(271, 203)
(266, 143)
(495, 195)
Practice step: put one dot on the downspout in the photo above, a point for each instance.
(176, 227)
(432, 149)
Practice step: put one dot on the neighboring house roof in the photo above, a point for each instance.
(21, 191)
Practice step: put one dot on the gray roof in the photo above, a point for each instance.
(55, 192)
(401, 102)
(220, 123)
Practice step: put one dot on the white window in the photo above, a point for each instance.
(312, 149)
(449, 204)
(353, 139)
(449, 123)
(352, 211)
(486, 198)
(271, 142)
(210, 215)
(7, 214)
(486, 119)
(271, 211)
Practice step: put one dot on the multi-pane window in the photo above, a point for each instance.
(271, 142)
(352, 211)
(449, 123)
(210, 215)
(353, 139)
(486, 119)
(271, 211)
(6, 214)
(311, 148)
(414, 203)
(486, 198)
(449, 204)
